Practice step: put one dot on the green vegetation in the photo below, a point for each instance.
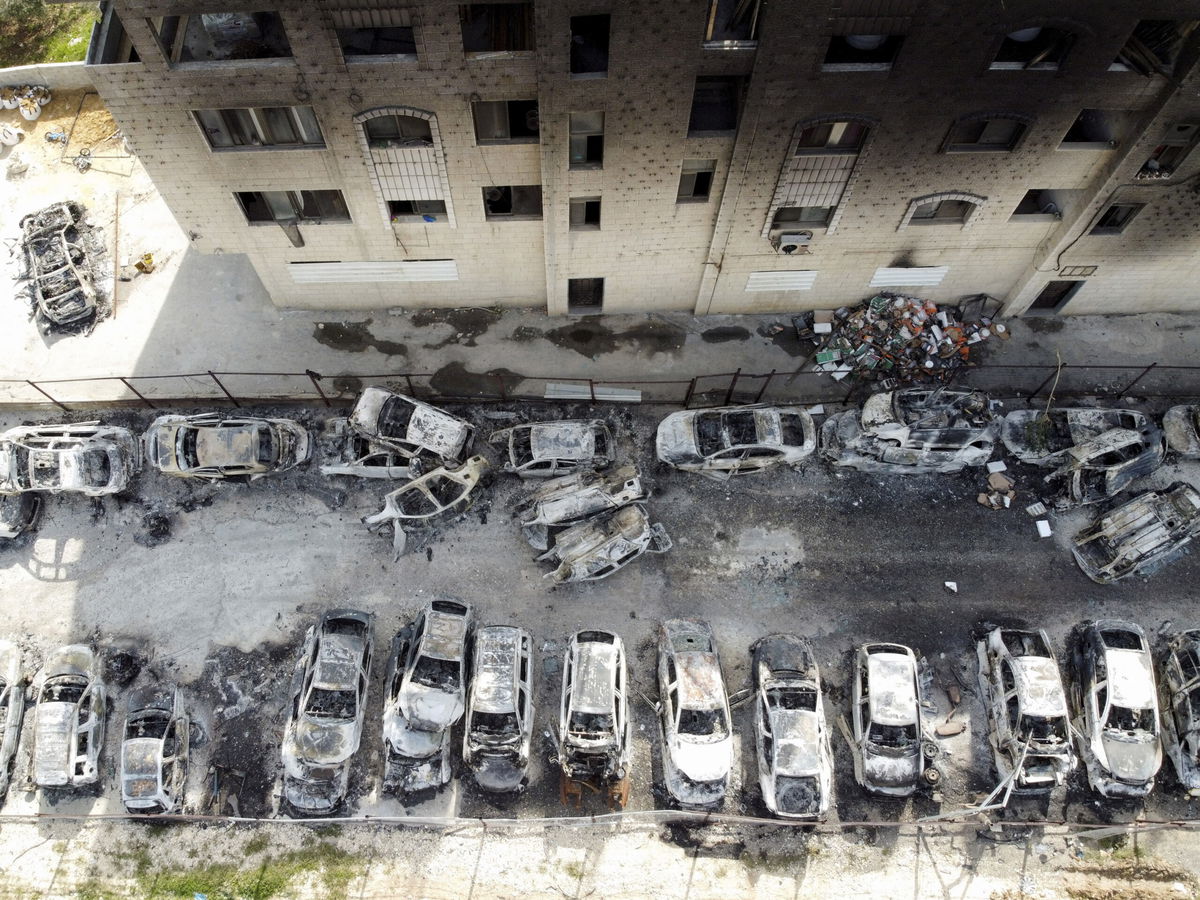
(32, 31)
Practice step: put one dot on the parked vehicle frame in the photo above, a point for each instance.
(154, 751)
(419, 432)
(1179, 699)
(212, 448)
(68, 719)
(735, 440)
(499, 712)
(886, 719)
(85, 458)
(1139, 536)
(550, 449)
(594, 729)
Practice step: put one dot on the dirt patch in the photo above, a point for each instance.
(724, 334)
(1129, 879)
(355, 337)
(589, 337)
(1044, 324)
(467, 322)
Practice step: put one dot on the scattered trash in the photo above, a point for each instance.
(1043, 527)
(950, 729)
(145, 265)
(996, 466)
(1036, 509)
(951, 586)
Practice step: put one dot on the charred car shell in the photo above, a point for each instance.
(440, 494)
(12, 708)
(413, 428)
(1041, 437)
(88, 458)
(1105, 465)
(887, 719)
(596, 548)
(795, 762)
(1148, 531)
(1179, 699)
(359, 457)
(912, 431)
(594, 730)
(735, 440)
(154, 752)
(68, 718)
(571, 499)
(694, 714)
(1028, 725)
(209, 447)
(18, 514)
(547, 449)
(1181, 424)
(499, 715)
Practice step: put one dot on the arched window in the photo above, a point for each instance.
(403, 147)
(392, 130)
(950, 208)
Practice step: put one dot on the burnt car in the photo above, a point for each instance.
(1105, 465)
(420, 432)
(795, 762)
(886, 714)
(571, 499)
(87, 458)
(735, 440)
(1140, 535)
(547, 449)
(1028, 725)
(12, 708)
(913, 431)
(694, 714)
(1116, 709)
(68, 718)
(1181, 424)
(154, 751)
(596, 548)
(426, 688)
(329, 695)
(1041, 437)
(209, 447)
(594, 730)
(437, 495)
(18, 514)
(355, 456)
(1179, 698)
(499, 713)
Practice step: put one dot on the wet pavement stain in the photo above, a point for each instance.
(467, 323)
(724, 333)
(454, 380)
(786, 340)
(590, 338)
(347, 385)
(1044, 324)
(355, 337)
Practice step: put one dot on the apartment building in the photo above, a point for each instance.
(714, 156)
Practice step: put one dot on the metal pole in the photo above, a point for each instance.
(500, 380)
(1049, 378)
(732, 384)
(47, 396)
(316, 382)
(1145, 372)
(232, 399)
(762, 390)
(139, 393)
(592, 388)
(411, 392)
(687, 398)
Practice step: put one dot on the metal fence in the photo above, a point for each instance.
(715, 389)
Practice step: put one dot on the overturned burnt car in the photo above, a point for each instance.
(18, 514)
(154, 751)
(438, 495)
(735, 440)
(886, 717)
(422, 434)
(1139, 535)
(12, 708)
(209, 447)
(1116, 708)
(547, 449)
(329, 694)
(795, 762)
(358, 457)
(1181, 424)
(86, 458)
(499, 712)
(694, 714)
(426, 688)
(912, 431)
(1179, 699)
(68, 719)
(1028, 726)
(596, 548)
(571, 499)
(594, 730)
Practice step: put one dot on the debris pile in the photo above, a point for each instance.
(894, 338)
(62, 253)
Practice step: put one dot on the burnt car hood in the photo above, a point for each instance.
(702, 762)
(430, 709)
(1131, 760)
(325, 743)
(498, 773)
(676, 440)
(893, 772)
(1180, 424)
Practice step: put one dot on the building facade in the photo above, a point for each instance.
(714, 156)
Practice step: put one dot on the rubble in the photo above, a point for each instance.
(62, 263)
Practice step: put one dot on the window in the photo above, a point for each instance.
(585, 213)
(984, 135)
(1078, 271)
(293, 206)
(387, 41)
(1093, 129)
(1040, 206)
(1053, 297)
(110, 44)
(589, 45)
(398, 131)
(1116, 218)
(506, 121)
(497, 27)
(862, 52)
(1176, 144)
(1153, 47)
(715, 104)
(520, 201)
(832, 137)
(215, 37)
(787, 216)
(400, 210)
(1033, 48)
(695, 179)
(272, 126)
(585, 296)
(732, 23)
(942, 212)
(587, 140)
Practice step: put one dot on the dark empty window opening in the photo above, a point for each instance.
(862, 52)
(587, 140)
(215, 37)
(1169, 155)
(832, 137)
(1053, 297)
(589, 45)
(398, 131)
(246, 129)
(1034, 48)
(732, 23)
(1092, 130)
(497, 27)
(426, 210)
(506, 121)
(695, 180)
(293, 206)
(985, 135)
(585, 213)
(788, 216)
(519, 201)
(110, 44)
(1153, 48)
(393, 41)
(1039, 205)
(1115, 219)
(715, 104)
(585, 297)
(942, 212)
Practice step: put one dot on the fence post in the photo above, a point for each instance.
(762, 390)
(316, 379)
(687, 398)
(411, 392)
(61, 406)
(1145, 372)
(592, 389)
(139, 394)
(732, 384)
(232, 399)
(1049, 378)
(500, 381)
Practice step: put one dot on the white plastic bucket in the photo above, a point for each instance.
(10, 135)
(30, 111)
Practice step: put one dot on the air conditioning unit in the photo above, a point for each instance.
(791, 241)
